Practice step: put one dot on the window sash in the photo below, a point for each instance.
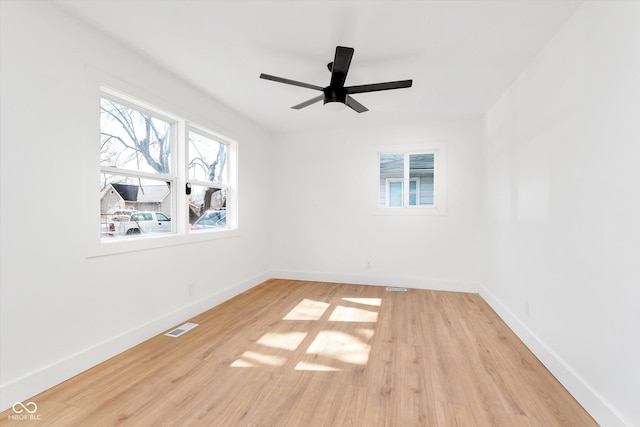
(220, 178)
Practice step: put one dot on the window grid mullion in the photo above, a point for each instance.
(180, 159)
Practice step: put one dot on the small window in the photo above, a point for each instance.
(406, 180)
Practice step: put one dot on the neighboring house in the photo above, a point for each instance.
(110, 200)
(126, 196)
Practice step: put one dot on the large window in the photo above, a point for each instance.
(407, 180)
(160, 174)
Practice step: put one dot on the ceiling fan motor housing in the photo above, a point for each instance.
(335, 94)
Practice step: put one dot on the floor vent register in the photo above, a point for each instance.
(180, 330)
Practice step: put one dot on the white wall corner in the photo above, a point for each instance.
(589, 398)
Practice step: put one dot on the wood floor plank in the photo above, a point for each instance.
(416, 396)
(349, 406)
(316, 401)
(295, 353)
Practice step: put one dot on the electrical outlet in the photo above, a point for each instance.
(526, 307)
(191, 289)
(368, 265)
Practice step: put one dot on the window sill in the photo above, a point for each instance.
(412, 211)
(119, 246)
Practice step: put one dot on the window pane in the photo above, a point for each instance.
(421, 179)
(391, 166)
(207, 159)
(207, 208)
(212, 219)
(133, 140)
(132, 206)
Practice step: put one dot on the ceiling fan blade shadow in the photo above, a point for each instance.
(309, 102)
(289, 81)
(379, 86)
(341, 63)
(355, 105)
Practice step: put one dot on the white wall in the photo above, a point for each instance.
(325, 197)
(62, 312)
(563, 202)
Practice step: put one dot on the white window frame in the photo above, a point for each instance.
(178, 177)
(439, 207)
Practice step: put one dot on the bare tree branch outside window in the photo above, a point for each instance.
(133, 140)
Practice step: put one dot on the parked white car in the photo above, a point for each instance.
(122, 215)
(137, 223)
(145, 222)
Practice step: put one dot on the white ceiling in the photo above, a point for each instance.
(461, 55)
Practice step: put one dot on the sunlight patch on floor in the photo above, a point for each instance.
(307, 366)
(283, 340)
(340, 346)
(365, 333)
(376, 302)
(307, 310)
(353, 314)
(330, 349)
(252, 359)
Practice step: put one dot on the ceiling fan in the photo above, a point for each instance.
(337, 95)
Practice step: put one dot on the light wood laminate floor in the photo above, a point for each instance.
(291, 353)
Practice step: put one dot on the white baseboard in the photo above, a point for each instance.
(589, 398)
(44, 378)
(409, 282)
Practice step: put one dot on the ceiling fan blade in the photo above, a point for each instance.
(379, 86)
(355, 105)
(341, 64)
(309, 102)
(289, 82)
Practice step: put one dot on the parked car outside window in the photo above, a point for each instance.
(123, 214)
(211, 219)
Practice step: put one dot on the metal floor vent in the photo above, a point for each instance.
(395, 289)
(181, 330)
